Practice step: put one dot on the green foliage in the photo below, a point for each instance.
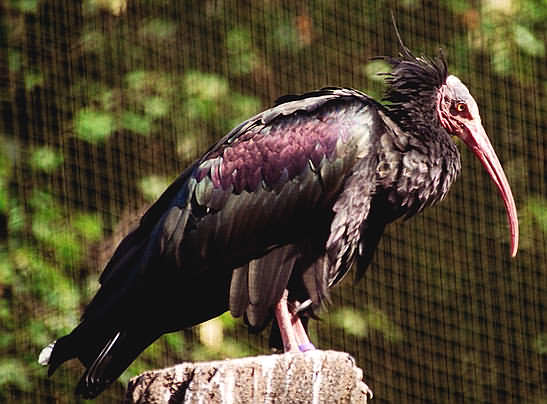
(25, 6)
(458, 6)
(46, 159)
(137, 123)
(240, 49)
(13, 372)
(158, 29)
(39, 299)
(93, 126)
(88, 225)
(14, 60)
(361, 323)
(538, 208)
(527, 41)
(540, 344)
(156, 106)
(33, 79)
(153, 186)
(205, 86)
(4, 178)
(374, 69)
(208, 100)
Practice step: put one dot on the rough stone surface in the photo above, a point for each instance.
(309, 377)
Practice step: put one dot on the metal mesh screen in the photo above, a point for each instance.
(104, 102)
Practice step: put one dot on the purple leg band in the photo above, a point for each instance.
(306, 347)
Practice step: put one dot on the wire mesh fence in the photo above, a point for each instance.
(104, 102)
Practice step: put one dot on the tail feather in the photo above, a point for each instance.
(45, 354)
(56, 353)
(114, 358)
(104, 356)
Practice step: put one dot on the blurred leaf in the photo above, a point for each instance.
(37, 331)
(360, 322)
(175, 340)
(230, 348)
(286, 36)
(107, 99)
(6, 272)
(538, 208)
(373, 68)
(14, 60)
(457, 6)
(43, 230)
(205, 86)
(533, 11)
(158, 29)
(93, 126)
(143, 83)
(115, 7)
(540, 344)
(351, 321)
(196, 108)
(16, 218)
(136, 123)
(243, 107)
(89, 226)
(7, 318)
(238, 40)
(501, 58)
(68, 249)
(14, 373)
(33, 80)
(5, 338)
(93, 41)
(211, 333)
(4, 195)
(153, 186)
(156, 107)
(527, 41)
(409, 3)
(137, 79)
(66, 246)
(45, 159)
(228, 321)
(243, 59)
(46, 282)
(26, 6)
(44, 206)
(5, 173)
(49, 227)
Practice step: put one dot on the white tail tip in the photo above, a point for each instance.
(45, 355)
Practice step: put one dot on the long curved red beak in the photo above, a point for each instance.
(478, 142)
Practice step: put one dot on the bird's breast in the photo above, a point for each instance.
(416, 177)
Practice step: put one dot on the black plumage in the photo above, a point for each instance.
(288, 200)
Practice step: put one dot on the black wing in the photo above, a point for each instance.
(275, 197)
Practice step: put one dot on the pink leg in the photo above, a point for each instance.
(283, 317)
(292, 331)
(304, 343)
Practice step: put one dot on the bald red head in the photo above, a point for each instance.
(459, 114)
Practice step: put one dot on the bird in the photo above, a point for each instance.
(277, 212)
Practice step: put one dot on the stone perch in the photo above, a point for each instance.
(309, 377)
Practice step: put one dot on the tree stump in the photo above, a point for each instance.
(308, 377)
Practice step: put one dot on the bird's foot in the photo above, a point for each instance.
(284, 321)
(306, 347)
(293, 333)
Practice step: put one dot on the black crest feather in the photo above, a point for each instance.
(413, 82)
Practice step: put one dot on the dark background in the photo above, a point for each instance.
(104, 102)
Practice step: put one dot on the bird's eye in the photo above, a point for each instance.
(461, 107)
